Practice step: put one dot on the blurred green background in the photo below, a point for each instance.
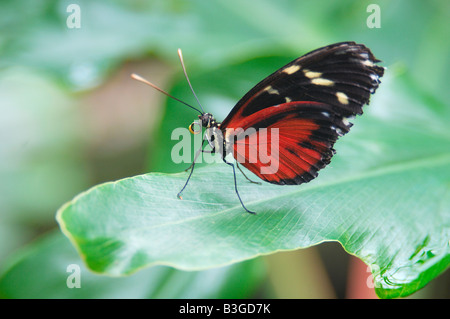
(71, 117)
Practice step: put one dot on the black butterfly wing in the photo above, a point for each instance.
(307, 101)
(342, 75)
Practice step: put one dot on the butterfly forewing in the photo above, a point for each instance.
(343, 75)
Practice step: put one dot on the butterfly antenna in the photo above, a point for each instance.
(141, 79)
(180, 55)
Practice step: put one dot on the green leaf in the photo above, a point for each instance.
(41, 271)
(385, 197)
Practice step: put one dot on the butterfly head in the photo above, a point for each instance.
(207, 120)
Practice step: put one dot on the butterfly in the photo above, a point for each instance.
(298, 112)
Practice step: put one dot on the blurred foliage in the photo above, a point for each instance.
(46, 69)
(211, 33)
(46, 265)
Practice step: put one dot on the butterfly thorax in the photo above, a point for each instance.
(213, 133)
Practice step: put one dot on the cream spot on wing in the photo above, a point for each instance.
(374, 77)
(321, 81)
(364, 55)
(312, 74)
(271, 90)
(292, 69)
(367, 62)
(342, 98)
(288, 99)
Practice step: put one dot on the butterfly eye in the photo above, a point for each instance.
(195, 128)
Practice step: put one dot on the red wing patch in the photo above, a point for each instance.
(287, 143)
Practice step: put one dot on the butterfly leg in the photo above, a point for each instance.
(237, 164)
(191, 168)
(235, 187)
(195, 158)
(187, 181)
